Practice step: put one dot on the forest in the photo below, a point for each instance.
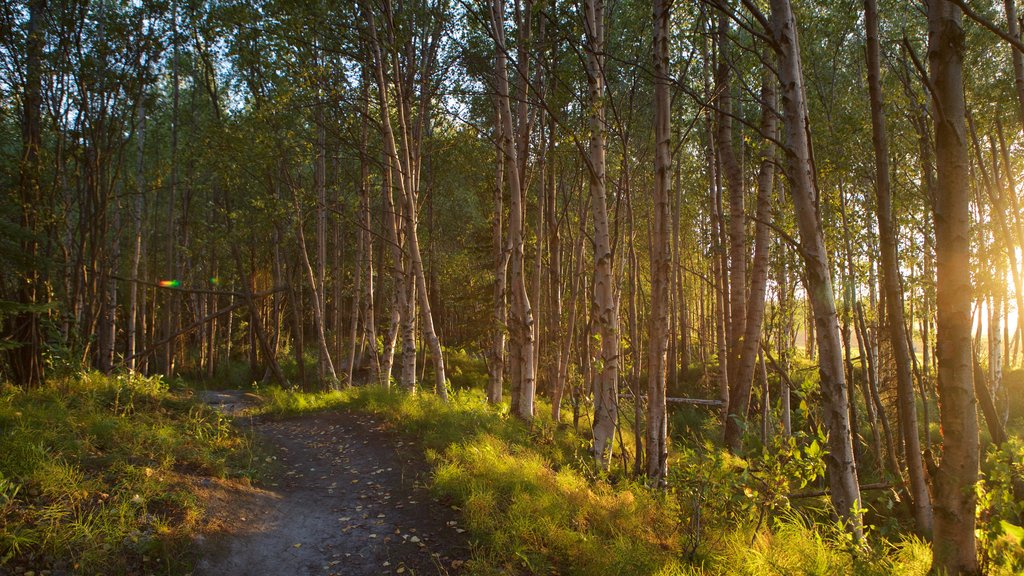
(668, 287)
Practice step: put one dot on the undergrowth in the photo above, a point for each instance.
(93, 474)
(534, 503)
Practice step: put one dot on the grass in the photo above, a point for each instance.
(534, 504)
(94, 474)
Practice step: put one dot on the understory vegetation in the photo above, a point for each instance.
(96, 474)
(534, 503)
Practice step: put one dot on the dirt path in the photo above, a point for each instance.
(347, 498)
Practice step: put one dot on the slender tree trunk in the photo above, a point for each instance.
(138, 206)
(554, 268)
(737, 226)
(538, 252)
(426, 317)
(635, 357)
(521, 321)
(170, 314)
(891, 283)
(496, 366)
(954, 545)
(661, 258)
(840, 464)
(869, 364)
(983, 392)
(325, 366)
(766, 404)
(785, 327)
(570, 329)
(605, 303)
(328, 377)
(750, 343)
(367, 310)
(408, 318)
(398, 298)
(354, 327)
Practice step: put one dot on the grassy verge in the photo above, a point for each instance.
(95, 474)
(534, 504)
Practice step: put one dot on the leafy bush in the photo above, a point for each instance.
(1001, 508)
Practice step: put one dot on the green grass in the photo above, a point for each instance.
(93, 474)
(534, 504)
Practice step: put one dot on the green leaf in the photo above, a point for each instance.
(814, 450)
(1012, 530)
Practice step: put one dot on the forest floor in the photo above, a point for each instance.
(345, 496)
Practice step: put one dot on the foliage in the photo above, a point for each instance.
(534, 505)
(718, 491)
(1001, 508)
(94, 473)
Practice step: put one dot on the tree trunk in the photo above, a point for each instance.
(328, 377)
(750, 343)
(737, 231)
(891, 283)
(170, 323)
(840, 464)
(367, 311)
(138, 206)
(661, 257)
(570, 329)
(496, 366)
(399, 295)
(605, 302)
(521, 324)
(955, 549)
(426, 317)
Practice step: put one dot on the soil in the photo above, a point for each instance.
(347, 496)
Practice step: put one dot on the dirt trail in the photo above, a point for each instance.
(347, 498)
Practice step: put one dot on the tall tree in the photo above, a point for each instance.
(750, 341)
(513, 146)
(412, 66)
(955, 549)
(605, 302)
(27, 367)
(891, 283)
(661, 260)
(840, 465)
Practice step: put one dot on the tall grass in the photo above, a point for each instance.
(534, 504)
(92, 469)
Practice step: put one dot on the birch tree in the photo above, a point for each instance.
(661, 261)
(840, 465)
(954, 546)
(605, 303)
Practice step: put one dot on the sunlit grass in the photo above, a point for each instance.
(534, 504)
(91, 474)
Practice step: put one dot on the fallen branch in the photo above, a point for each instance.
(699, 401)
(826, 491)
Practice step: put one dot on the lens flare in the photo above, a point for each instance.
(170, 283)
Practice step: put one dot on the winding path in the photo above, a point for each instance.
(347, 498)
